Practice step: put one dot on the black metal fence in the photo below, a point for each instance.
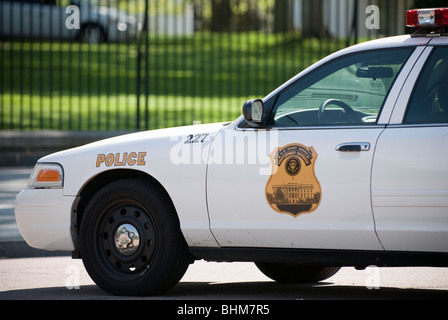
(146, 64)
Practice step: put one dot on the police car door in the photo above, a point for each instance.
(410, 172)
(305, 181)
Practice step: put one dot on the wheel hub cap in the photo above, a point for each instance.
(127, 239)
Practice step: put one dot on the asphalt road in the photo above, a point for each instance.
(26, 273)
(62, 278)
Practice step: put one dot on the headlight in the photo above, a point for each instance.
(47, 175)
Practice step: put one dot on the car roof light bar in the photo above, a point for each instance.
(427, 18)
(430, 22)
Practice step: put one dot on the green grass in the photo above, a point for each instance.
(206, 78)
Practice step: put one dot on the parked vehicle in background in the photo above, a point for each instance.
(46, 19)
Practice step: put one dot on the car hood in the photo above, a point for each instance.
(169, 135)
(157, 152)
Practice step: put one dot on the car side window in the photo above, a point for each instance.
(429, 101)
(346, 91)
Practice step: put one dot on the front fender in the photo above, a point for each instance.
(176, 158)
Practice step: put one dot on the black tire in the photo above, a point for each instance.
(130, 239)
(295, 272)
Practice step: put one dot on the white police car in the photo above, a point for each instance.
(343, 165)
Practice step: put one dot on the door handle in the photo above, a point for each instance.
(353, 147)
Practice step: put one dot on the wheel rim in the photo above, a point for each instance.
(126, 241)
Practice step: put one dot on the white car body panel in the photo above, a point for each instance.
(249, 221)
(410, 188)
(44, 218)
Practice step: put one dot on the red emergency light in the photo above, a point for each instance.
(427, 18)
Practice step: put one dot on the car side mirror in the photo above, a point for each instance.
(255, 113)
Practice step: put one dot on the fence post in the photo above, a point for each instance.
(144, 81)
(355, 24)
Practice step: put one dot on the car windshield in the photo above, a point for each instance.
(349, 90)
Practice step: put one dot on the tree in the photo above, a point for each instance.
(313, 26)
(221, 15)
(282, 16)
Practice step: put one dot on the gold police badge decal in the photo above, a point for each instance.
(293, 187)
